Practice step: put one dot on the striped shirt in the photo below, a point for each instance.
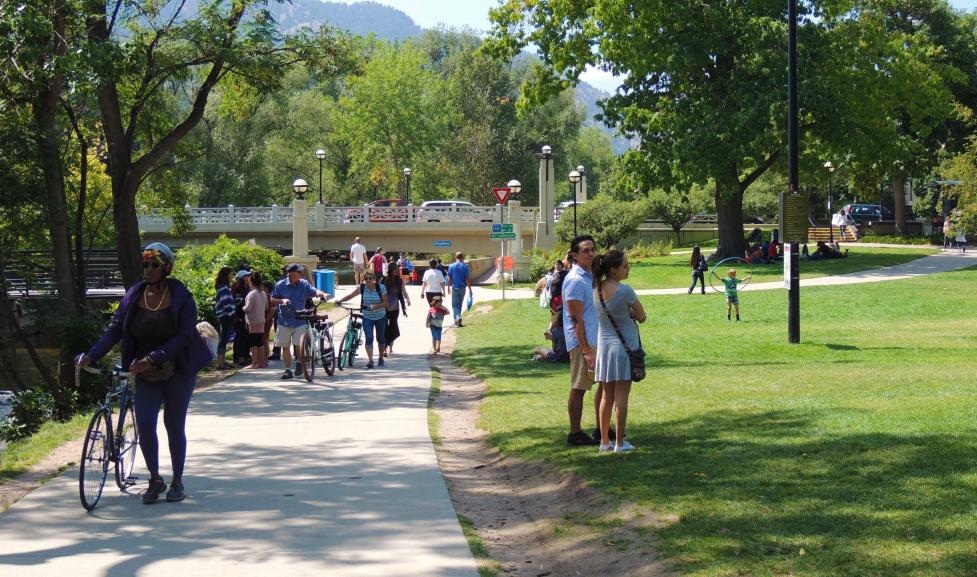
(370, 297)
(224, 303)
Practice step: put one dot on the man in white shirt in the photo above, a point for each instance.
(357, 255)
(433, 283)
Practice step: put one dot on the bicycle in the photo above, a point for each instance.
(315, 344)
(103, 445)
(353, 337)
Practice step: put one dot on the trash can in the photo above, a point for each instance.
(325, 280)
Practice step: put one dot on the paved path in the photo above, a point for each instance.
(333, 478)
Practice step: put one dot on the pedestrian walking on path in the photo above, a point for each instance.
(290, 294)
(156, 324)
(373, 301)
(460, 278)
(435, 322)
(617, 312)
(699, 268)
(224, 309)
(433, 282)
(397, 300)
(357, 256)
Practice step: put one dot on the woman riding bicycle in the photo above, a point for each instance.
(156, 322)
(374, 305)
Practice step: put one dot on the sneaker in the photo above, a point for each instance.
(624, 447)
(369, 365)
(287, 374)
(175, 493)
(581, 439)
(608, 448)
(380, 362)
(156, 486)
(460, 324)
(611, 434)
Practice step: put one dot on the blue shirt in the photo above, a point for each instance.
(458, 274)
(579, 286)
(296, 294)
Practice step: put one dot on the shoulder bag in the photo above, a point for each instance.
(636, 357)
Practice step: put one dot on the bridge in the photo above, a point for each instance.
(403, 228)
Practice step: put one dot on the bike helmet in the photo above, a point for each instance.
(159, 252)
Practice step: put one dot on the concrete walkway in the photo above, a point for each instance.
(337, 477)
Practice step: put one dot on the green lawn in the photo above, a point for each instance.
(852, 453)
(673, 271)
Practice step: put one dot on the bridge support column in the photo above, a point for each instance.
(520, 263)
(545, 233)
(300, 238)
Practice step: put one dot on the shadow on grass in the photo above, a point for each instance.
(752, 488)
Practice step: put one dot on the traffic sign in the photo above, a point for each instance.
(496, 227)
(501, 193)
(506, 228)
(502, 235)
(442, 243)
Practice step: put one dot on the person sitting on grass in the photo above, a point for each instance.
(732, 297)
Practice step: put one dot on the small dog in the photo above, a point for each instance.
(210, 335)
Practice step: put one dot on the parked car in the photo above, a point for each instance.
(564, 206)
(431, 210)
(862, 213)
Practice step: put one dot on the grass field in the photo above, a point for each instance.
(852, 453)
(674, 271)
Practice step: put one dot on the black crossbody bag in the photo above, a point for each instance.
(636, 357)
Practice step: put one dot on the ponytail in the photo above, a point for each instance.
(604, 263)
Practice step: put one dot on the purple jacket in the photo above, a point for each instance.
(187, 347)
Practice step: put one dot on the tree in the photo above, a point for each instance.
(608, 220)
(140, 49)
(704, 82)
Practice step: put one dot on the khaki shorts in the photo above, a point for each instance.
(359, 267)
(286, 336)
(581, 376)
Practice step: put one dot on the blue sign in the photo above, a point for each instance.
(496, 227)
(442, 243)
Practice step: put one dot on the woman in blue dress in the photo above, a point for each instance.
(613, 368)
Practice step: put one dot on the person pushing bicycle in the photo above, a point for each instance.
(156, 324)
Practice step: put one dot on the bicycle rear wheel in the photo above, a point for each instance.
(354, 344)
(308, 357)
(327, 354)
(94, 466)
(127, 440)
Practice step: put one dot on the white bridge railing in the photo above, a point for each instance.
(330, 217)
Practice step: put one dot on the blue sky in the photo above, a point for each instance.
(474, 14)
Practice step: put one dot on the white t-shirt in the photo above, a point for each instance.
(434, 280)
(357, 254)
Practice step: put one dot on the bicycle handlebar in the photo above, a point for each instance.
(98, 371)
(351, 309)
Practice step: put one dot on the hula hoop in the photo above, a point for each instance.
(745, 279)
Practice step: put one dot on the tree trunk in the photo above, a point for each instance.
(899, 190)
(729, 211)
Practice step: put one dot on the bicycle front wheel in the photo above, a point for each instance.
(127, 439)
(308, 357)
(343, 347)
(94, 466)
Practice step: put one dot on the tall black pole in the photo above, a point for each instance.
(831, 228)
(794, 293)
(320, 181)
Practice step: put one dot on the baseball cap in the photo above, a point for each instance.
(294, 267)
(243, 273)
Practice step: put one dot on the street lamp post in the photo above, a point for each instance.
(320, 154)
(582, 197)
(407, 173)
(300, 186)
(831, 228)
(574, 179)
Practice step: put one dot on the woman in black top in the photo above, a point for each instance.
(397, 299)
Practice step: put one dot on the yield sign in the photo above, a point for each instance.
(501, 193)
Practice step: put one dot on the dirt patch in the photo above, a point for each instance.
(534, 519)
(66, 455)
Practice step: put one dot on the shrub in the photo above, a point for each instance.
(661, 248)
(542, 261)
(894, 239)
(197, 266)
(31, 409)
(606, 219)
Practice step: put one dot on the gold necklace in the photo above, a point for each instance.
(145, 299)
